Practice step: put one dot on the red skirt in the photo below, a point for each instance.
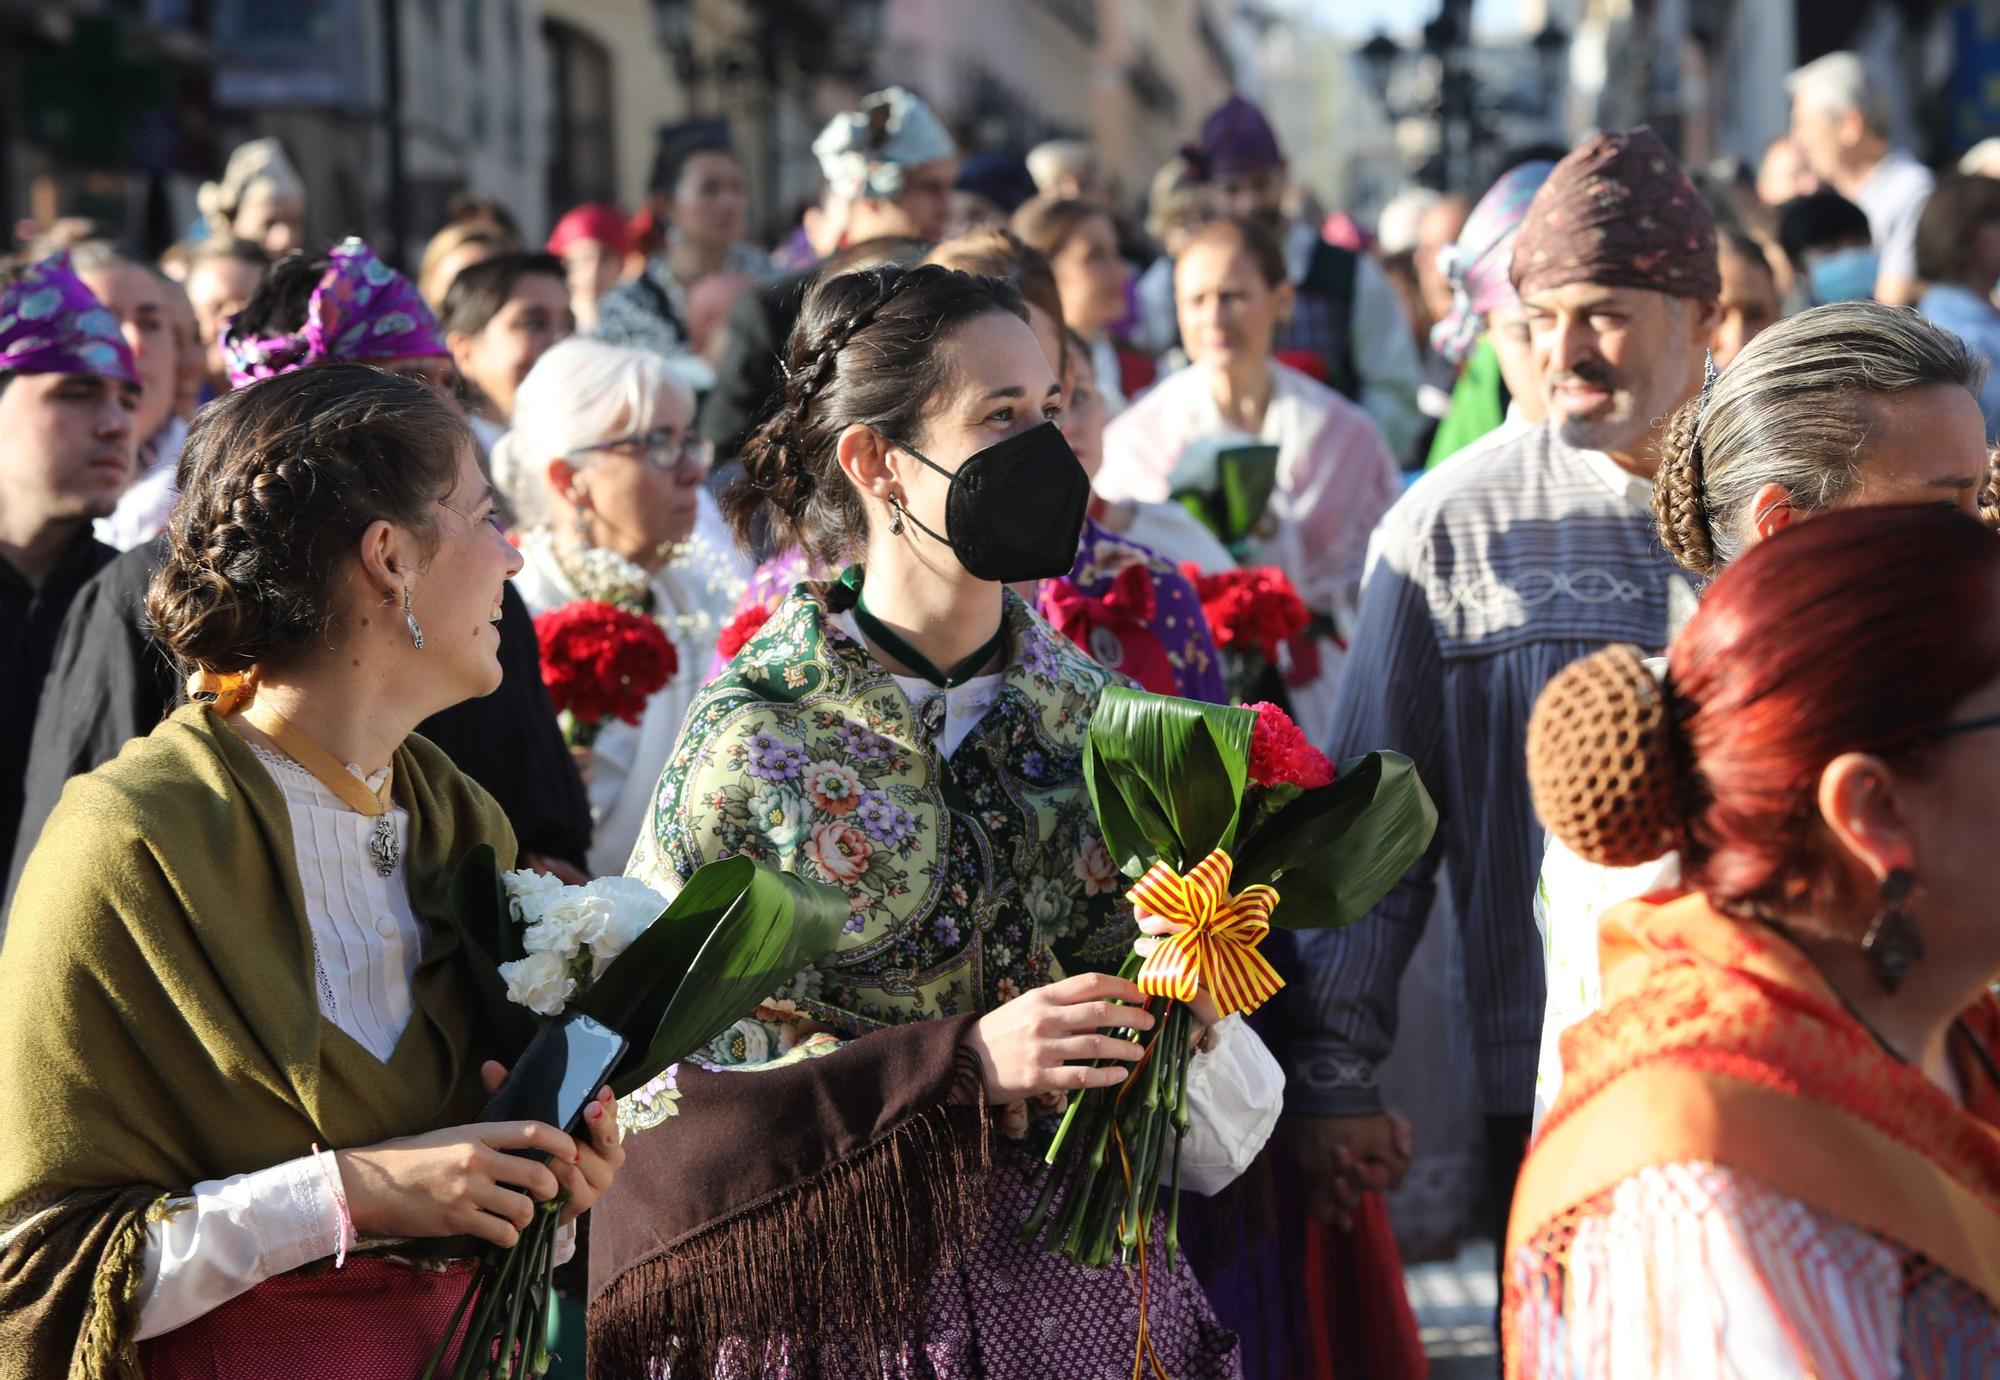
(375, 1319)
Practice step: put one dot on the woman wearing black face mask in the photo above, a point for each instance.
(910, 733)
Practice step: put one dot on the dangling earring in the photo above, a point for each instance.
(896, 524)
(1892, 942)
(580, 529)
(416, 632)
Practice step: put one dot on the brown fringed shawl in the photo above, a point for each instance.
(814, 1197)
(158, 1024)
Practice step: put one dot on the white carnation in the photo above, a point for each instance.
(540, 982)
(571, 921)
(630, 908)
(531, 893)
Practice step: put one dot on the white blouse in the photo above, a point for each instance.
(229, 1235)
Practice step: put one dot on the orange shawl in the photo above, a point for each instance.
(1719, 1042)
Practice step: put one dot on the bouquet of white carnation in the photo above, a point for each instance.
(572, 933)
(689, 971)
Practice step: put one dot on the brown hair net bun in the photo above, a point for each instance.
(1601, 761)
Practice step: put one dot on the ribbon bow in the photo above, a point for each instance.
(1124, 612)
(1218, 947)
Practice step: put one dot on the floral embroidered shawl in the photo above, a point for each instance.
(972, 878)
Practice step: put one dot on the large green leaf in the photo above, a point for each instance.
(1333, 853)
(734, 934)
(1166, 776)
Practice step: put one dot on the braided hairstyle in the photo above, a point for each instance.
(1796, 407)
(278, 481)
(871, 348)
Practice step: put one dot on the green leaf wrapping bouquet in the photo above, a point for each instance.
(669, 978)
(1192, 800)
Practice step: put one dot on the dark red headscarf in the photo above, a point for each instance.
(1619, 211)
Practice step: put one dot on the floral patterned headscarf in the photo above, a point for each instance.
(50, 323)
(362, 310)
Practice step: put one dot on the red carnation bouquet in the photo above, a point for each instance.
(601, 662)
(1252, 612)
(740, 630)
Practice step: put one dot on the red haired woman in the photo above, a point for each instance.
(1777, 1148)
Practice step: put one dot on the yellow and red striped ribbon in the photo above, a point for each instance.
(1218, 947)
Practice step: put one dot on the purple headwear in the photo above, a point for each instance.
(362, 310)
(1235, 140)
(50, 323)
(1477, 263)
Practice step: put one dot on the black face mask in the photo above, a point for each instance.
(1015, 510)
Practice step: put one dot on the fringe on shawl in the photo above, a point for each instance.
(835, 1269)
(106, 1349)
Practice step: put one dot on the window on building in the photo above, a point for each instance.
(582, 157)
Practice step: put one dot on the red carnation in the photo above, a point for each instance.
(601, 662)
(1253, 610)
(1280, 754)
(741, 629)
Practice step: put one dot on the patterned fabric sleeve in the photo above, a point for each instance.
(1694, 1269)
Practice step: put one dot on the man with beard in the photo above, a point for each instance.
(1492, 576)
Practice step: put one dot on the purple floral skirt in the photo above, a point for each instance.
(1010, 1310)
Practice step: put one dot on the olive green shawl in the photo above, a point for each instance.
(158, 1023)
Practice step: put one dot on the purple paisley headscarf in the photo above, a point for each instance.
(50, 323)
(362, 310)
(1476, 264)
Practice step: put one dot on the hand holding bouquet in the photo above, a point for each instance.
(1195, 799)
(669, 977)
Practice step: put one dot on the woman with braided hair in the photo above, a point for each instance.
(1845, 405)
(822, 1191)
(1777, 1150)
(231, 1001)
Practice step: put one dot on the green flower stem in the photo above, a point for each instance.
(535, 1247)
(451, 1328)
(478, 1337)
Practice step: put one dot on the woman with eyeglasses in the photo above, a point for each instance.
(1777, 1147)
(607, 470)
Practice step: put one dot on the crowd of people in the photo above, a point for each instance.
(1639, 509)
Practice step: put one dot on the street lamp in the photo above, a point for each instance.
(673, 22)
(1551, 47)
(1379, 55)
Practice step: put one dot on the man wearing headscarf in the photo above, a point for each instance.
(889, 166)
(1484, 334)
(1347, 317)
(68, 385)
(1493, 575)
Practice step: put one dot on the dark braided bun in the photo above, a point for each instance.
(278, 481)
(1603, 764)
(870, 348)
(1680, 501)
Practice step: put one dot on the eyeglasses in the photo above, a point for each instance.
(1979, 725)
(664, 448)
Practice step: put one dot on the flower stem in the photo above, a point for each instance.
(451, 1328)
